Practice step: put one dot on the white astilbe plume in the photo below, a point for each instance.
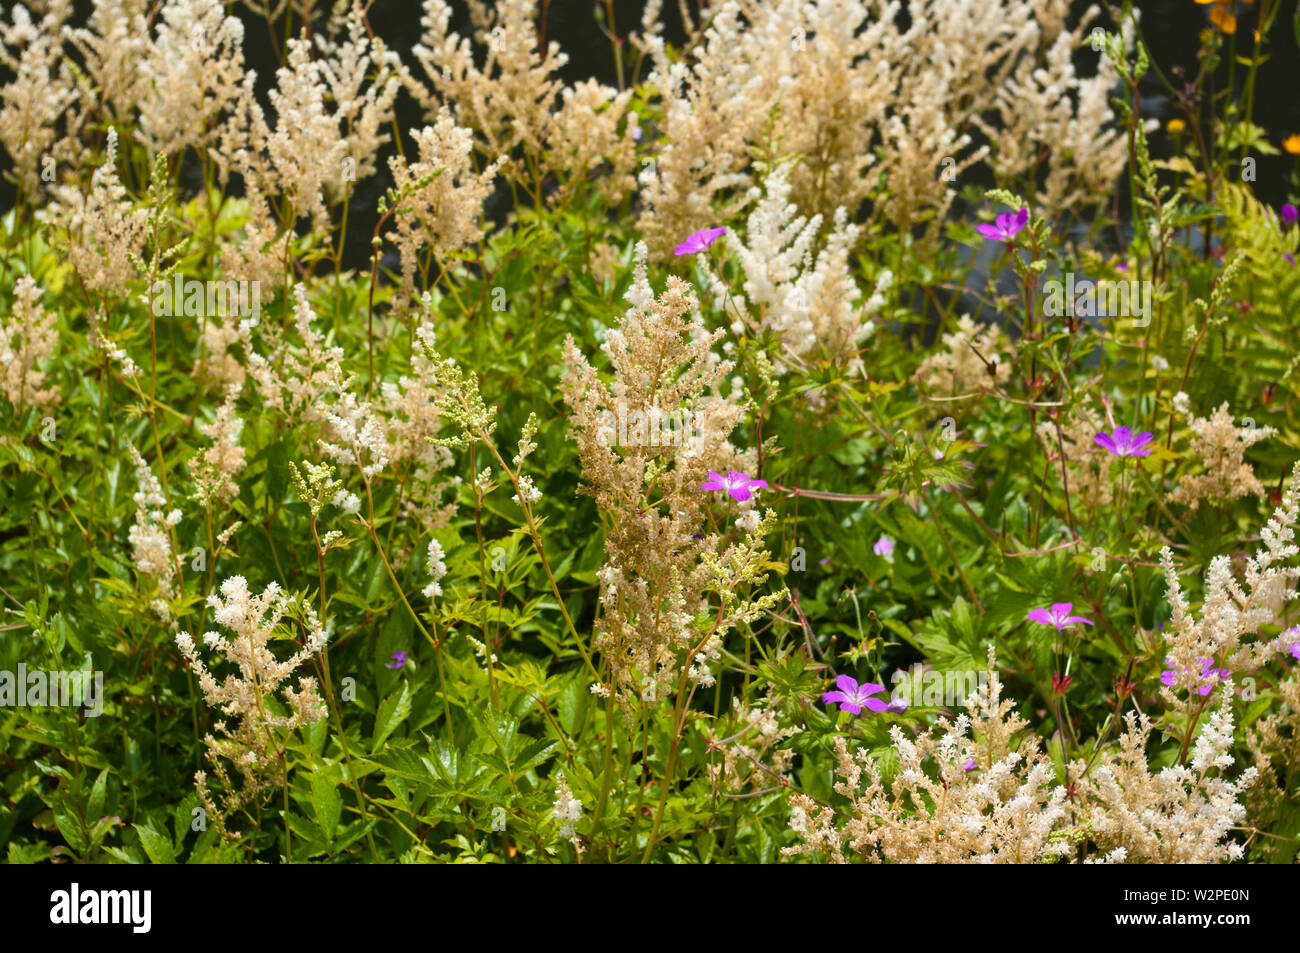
(254, 742)
(32, 103)
(1231, 611)
(510, 98)
(149, 537)
(660, 566)
(1220, 445)
(296, 379)
(112, 46)
(104, 231)
(1181, 814)
(314, 152)
(355, 435)
(983, 799)
(27, 339)
(195, 65)
(809, 303)
(214, 470)
(568, 809)
(873, 101)
(413, 418)
(442, 196)
(437, 569)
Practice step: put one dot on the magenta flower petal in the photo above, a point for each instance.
(847, 684)
(740, 493)
(1104, 441)
(1061, 609)
(853, 708)
(699, 241)
(991, 232)
(1075, 618)
(830, 697)
(875, 704)
(1041, 615)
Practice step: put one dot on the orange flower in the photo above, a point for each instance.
(1292, 144)
(1224, 20)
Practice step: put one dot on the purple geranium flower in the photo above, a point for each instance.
(1124, 442)
(1208, 675)
(1292, 633)
(1290, 214)
(698, 241)
(884, 547)
(1058, 615)
(852, 697)
(1005, 227)
(1289, 257)
(737, 484)
(897, 705)
(968, 764)
(398, 660)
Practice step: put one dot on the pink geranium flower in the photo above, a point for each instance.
(698, 241)
(1124, 442)
(1058, 615)
(1005, 227)
(735, 483)
(852, 697)
(1208, 675)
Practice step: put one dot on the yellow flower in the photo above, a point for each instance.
(1175, 126)
(1224, 20)
(1292, 144)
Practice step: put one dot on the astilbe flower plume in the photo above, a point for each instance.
(1220, 446)
(662, 562)
(28, 336)
(809, 300)
(1232, 611)
(252, 740)
(988, 798)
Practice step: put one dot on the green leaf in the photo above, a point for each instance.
(157, 845)
(392, 712)
(326, 804)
